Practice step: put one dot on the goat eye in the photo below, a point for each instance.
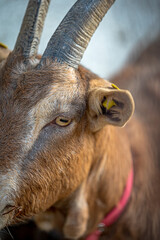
(62, 121)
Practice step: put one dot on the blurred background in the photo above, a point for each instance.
(129, 25)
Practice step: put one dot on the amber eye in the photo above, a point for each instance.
(62, 121)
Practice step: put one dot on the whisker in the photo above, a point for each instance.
(4, 233)
(10, 233)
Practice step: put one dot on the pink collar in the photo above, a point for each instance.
(114, 214)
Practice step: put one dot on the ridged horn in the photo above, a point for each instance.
(68, 43)
(31, 29)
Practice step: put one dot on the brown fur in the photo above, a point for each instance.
(106, 180)
(78, 173)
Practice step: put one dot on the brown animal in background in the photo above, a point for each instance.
(60, 148)
(4, 52)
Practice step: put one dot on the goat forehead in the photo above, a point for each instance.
(59, 100)
(29, 85)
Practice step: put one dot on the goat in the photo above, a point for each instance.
(63, 157)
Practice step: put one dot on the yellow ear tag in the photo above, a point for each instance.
(3, 45)
(114, 86)
(108, 104)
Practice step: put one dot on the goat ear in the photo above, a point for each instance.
(109, 106)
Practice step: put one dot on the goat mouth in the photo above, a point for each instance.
(10, 215)
(11, 209)
(8, 209)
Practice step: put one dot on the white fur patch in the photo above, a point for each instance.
(8, 187)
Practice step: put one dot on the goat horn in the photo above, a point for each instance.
(72, 36)
(31, 29)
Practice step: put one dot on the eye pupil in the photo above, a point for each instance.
(64, 120)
